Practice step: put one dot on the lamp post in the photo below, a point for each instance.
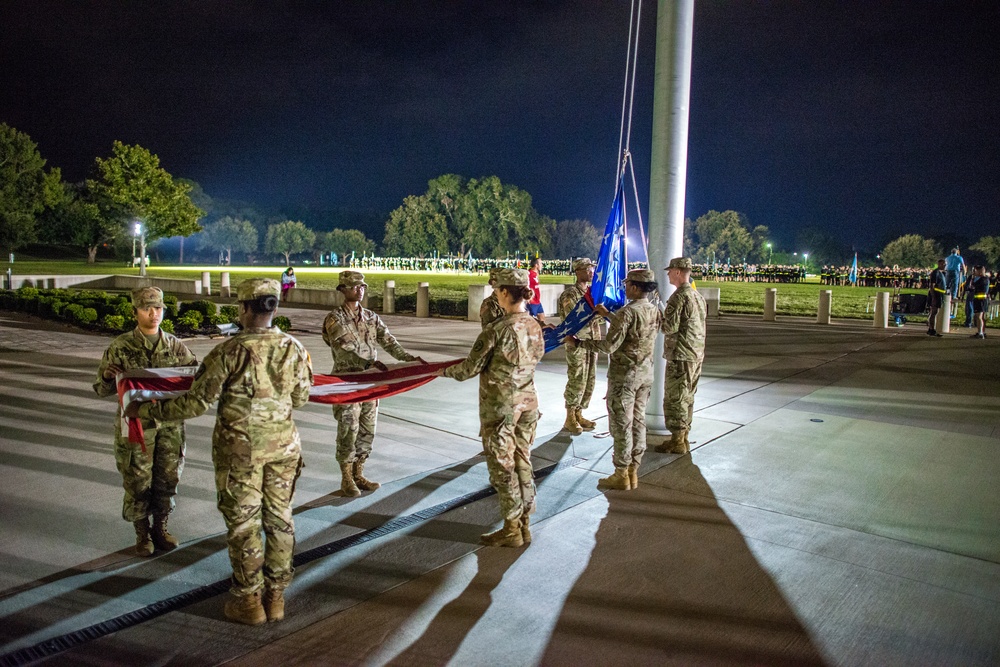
(140, 233)
(770, 253)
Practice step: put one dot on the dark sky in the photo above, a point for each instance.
(867, 118)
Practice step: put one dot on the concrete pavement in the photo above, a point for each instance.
(840, 508)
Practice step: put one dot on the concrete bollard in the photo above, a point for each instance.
(711, 296)
(423, 299)
(881, 310)
(477, 294)
(224, 289)
(825, 306)
(206, 283)
(770, 303)
(943, 325)
(389, 297)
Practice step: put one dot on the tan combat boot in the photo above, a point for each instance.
(585, 424)
(274, 605)
(619, 480)
(163, 540)
(525, 530)
(678, 444)
(347, 485)
(571, 424)
(246, 609)
(359, 477)
(509, 535)
(143, 540)
(633, 475)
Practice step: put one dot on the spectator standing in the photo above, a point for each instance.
(935, 296)
(287, 283)
(955, 267)
(535, 303)
(980, 299)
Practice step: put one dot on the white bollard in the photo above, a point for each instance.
(881, 310)
(770, 303)
(825, 306)
(389, 297)
(423, 299)
(711, 296)
(206, 283)
(943, 325)
(477, 294)
(224, 288)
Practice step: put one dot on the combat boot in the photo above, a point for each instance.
(525, 530)
(572, 425)
(509, 535)
(359, 477)
(678, 444)
(633, 475)
(274, 605)
(585, 424)
(163, 540)
(347, 485)
(619, 480)
(143, 540)
(245, 609)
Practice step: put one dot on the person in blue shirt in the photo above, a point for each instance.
(954, 266)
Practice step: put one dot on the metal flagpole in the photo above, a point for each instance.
(668, 164)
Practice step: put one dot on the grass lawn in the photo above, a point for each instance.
(793, 298)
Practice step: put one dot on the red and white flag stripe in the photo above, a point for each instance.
(147, 384)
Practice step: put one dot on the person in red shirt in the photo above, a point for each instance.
(535, 305)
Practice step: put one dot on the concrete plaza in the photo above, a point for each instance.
(842, 507)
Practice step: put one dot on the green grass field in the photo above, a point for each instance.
(800, 299)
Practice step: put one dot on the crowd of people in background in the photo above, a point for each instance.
(751, 273)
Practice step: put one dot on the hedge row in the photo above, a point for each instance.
(114, 313)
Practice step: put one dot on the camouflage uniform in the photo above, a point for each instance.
(491, 310)
(683, 327)
(257, 377)
(354, 338)
(630, 341)
(581, 363)
(504, 356)
(149, 477)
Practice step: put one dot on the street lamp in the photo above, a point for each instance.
(140, 234)
(770, 252)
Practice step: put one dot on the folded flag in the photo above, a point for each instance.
(147, 384)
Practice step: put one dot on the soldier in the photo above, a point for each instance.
(683, 327)
(150, 476)
(504, 356)
(581, 364)
(491, 310)
(257, 377)
(630, 341)
(354, 333)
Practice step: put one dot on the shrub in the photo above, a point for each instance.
(57, 308)
(86, 316)
(205, 308)
(167, 325)
(450, 307)
(71, 310)
(124, 308)
(219, 319)
(232, 312)
(282, 322)
(170, 308)
(8, 299)
(116, 322)
(191, 319)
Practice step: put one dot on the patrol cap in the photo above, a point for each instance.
(680, 263)
(513, 277)
(641, 276)
(147, 297)
(352, 279)
(248, 290)
(494, 272)
(583, 263)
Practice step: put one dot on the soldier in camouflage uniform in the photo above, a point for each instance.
(491, 310)
(683, 327)
(150, 477)
(354, 334)
(257, 377)
(504, 356)
(630, 341)
(581, 363)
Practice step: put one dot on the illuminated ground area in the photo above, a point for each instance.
(840, 508)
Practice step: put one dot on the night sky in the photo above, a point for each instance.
(869, 119)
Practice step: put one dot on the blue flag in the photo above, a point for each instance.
(607, 288)
(853, 275)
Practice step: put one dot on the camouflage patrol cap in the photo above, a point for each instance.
(641, 276)
(583, 263)
(147, 297)
(495, 272)
(513, 277)
(680, 263)
(248, 290)
(352, 279)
